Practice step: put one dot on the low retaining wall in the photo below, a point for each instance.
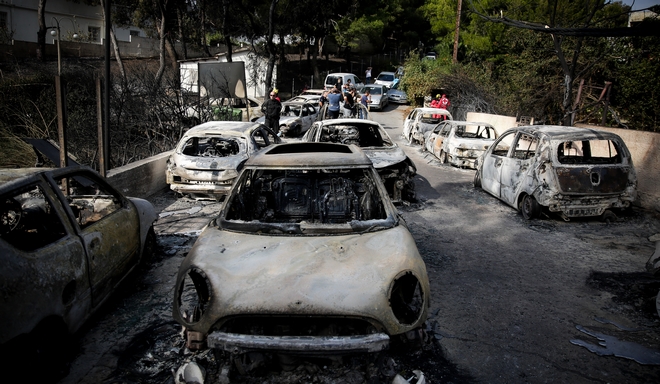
(142, 178)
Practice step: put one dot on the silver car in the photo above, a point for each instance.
(308, 255)
(395, 168)
(574, 172)
(209, 156)
(459, 143)
(378, 94)
(296, 116)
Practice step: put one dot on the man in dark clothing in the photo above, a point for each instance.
(271, 109)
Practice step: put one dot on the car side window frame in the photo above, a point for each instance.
(502, 152)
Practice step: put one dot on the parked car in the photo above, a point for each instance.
(67, 241)
(379, 98)
(394, 167)
(308, 255)
(331, 80)
(208, 157)
(296, 117)
(396, 95)
(421, 120)
(574, 172)
(312, 91)
(459, 143)
(385, 78)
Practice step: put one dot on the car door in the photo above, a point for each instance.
(307, 117)
(493, 159)
(44, 264)
(443, 133)
(109, 227)
(407, 123)
(515, 167)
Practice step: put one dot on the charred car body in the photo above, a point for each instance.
(296, 117)
(421, 120)
(209, 156)
(394, 167)
(459, 143)
(67, 240)
(308, 255)
(574, 172)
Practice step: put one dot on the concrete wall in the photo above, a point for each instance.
(500, 122)
(645, 150)
(141, 178)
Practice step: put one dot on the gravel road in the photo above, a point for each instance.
(513, 301)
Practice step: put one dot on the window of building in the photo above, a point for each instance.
(135, 33)
(94, 34)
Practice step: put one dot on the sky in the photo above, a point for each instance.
(641, 4)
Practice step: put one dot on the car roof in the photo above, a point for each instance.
(559, 132)
(460, 122)
(218, 127)
(309, 155)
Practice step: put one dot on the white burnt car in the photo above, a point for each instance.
(308, 255)
(393, 165)
(296, 117)
(421, 120)
(67, 241)
(459, 143)
(574, 172)
(209, 156)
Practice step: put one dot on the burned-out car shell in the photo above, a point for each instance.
(395, 168)
(208, 157)
(314, 260)
(575, 172)
(421, 120)
(67, 240)
(459, 143)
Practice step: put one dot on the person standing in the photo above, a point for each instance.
(334, 98)
(367, 74)
(349, 100)
(271, 109)
(365, 100)
(444, 103)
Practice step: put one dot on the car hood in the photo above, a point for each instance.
(198, 163)
(343, 275)
(383, 157)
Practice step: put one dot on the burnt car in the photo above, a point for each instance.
(459, 143)
(393, 165)
(208, 157)
(308, 255)
(573, 172)
(421, 120)
(296, 117)
(67, 240)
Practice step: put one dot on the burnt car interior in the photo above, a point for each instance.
(28, 220)
(327, 196)
(589, 152)
(362, 135)
(211, 147)
(475, 132)
(430, 119)
(89, 201)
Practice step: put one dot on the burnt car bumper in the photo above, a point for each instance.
(239, 343)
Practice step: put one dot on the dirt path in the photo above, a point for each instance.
(509, 297)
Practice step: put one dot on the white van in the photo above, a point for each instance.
(331, 80)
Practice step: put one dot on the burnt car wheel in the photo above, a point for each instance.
(529, 207)
(477, 179)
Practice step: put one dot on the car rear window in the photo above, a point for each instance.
(589, 152)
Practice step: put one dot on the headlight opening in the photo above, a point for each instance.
(407, 298)
(194, 295)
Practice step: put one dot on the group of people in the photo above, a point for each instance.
(441, 103)
(346, 93)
